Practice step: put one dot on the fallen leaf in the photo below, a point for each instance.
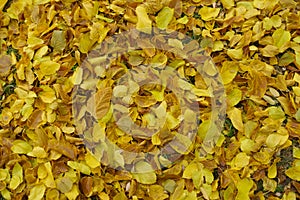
(164, 17)
(144, 23)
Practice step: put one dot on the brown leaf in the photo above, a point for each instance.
(5, 64)
(86, 186)
(64, 148)
(35, 119)
(259, 84)
(99, 103)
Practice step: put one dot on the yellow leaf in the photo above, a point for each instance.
(37, 192)
(208, 13)
(293, 173)
(144, 23)
(155, 139)
(269, 184)
(21, 147)
(260, 4)
(79, 166)
(17, 176)
(86, 43)
(49, 67)
(58, 40)
(236, 54)
(164, 17)
(16, 8)
(91, 160)
(34, 41)
(235, 115)
(272, 170)
(244, 186)
(281, 39)
(234, 97)
(183, 20)
(2, 4)
(144, 173)
(42, 172)
(269, 51)
(171, 121)
(157, 192)
(48, 94)
(229, 71)
(38, 2)
(191, 169)
(6, 194)
(6, 116)
(296, 152)
(290, 196)
(227, 3)
(247, 145)
(73, 193)
(38, 152)
(241, 160)
(274, 140)
(276, 112)
(181, 143)
(297, 61)
(64, 184)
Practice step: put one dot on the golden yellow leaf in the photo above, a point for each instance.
(6, 116)
(58, 41)
(37, 192)
(244, 186)
(38, 152)
(34, 41)
(208, 13)
(86, 43)
(17, 176)
(49, 67)
(144, 173)
(38, 2)
(276, 112)
(281, 39)
(269, 184)
(91, 160)
(79, 166)
(16, 8)
(157, 192)
(236, 54)
(191, 169)
(21, 147)
(227, 3)
(235, 115)
(73, 193)
(269, 51)
(2, 4)
(234, 97)
(47, 95)
(229, 71)
(274, 140)
(272, 170)
(144, 23)
(293, 173)
(164, 17)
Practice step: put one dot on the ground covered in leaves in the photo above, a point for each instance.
(44, 44)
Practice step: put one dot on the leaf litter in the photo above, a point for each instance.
(255, 46)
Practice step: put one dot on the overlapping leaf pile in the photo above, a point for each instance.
(256, 47)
